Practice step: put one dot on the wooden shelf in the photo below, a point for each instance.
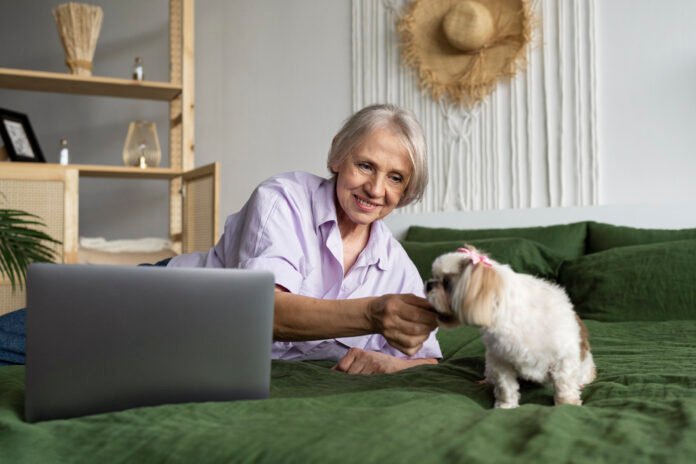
(41, 81)
(53, 191)
(92, 170)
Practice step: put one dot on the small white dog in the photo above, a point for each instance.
(528, 325)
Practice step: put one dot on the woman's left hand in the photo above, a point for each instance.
(358, 361)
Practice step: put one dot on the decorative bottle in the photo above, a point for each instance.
(64, 154)
(138, 73)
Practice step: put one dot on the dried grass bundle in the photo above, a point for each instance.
(79, 25)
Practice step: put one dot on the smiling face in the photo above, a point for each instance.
(371, 180)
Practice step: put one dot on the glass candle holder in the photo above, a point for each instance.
(142, 148)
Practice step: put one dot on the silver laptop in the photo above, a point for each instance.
(108, 338)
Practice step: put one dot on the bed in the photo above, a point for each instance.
(634, 287)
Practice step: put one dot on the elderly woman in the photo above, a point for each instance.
(345, 288)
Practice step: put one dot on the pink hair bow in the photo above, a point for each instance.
(475, 257)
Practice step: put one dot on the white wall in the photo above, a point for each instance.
(273, 87)
(647, 100)
(286, 87)
(273, 82)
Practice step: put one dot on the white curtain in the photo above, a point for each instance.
(531, 143)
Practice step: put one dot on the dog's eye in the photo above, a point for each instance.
(446, 283)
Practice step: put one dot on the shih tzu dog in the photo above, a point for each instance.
(528, 325)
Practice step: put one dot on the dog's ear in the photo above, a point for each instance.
(476, 296)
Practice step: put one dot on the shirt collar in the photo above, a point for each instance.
(323, 203)
(324, 211)
(376, 250)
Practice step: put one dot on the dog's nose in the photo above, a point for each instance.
(429, 286)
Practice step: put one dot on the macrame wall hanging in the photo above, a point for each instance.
(495, 141)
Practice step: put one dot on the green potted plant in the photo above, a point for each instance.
(21, 243)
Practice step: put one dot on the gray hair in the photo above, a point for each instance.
(356, 129)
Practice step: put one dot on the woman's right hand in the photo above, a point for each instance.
(405, 321)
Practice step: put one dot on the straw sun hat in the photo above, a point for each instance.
(460, 48)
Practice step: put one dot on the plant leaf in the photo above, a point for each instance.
(21, 244)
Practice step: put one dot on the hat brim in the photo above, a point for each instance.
(446, 71)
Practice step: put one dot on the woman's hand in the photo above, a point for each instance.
(404, 320)
(358, 361)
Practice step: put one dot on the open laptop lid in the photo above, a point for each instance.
(107, 338)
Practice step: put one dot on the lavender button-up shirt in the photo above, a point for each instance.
(289, 227)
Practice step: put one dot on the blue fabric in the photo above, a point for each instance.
(163, 263)
(13, 332)
(12, 337)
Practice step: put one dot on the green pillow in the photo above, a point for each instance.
(568, 240)
(602, 237)
(654, 282)
(525, 256)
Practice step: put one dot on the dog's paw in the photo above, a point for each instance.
(506, 404)
(559, 400)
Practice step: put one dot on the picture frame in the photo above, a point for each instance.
(19, 138)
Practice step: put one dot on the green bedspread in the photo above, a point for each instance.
(642, 408)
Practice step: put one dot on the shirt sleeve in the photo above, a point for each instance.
(430, 349)
(272, 242)
(412, 279)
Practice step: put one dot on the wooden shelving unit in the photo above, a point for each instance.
(42, 81)
(193, 192)
(96, 170)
